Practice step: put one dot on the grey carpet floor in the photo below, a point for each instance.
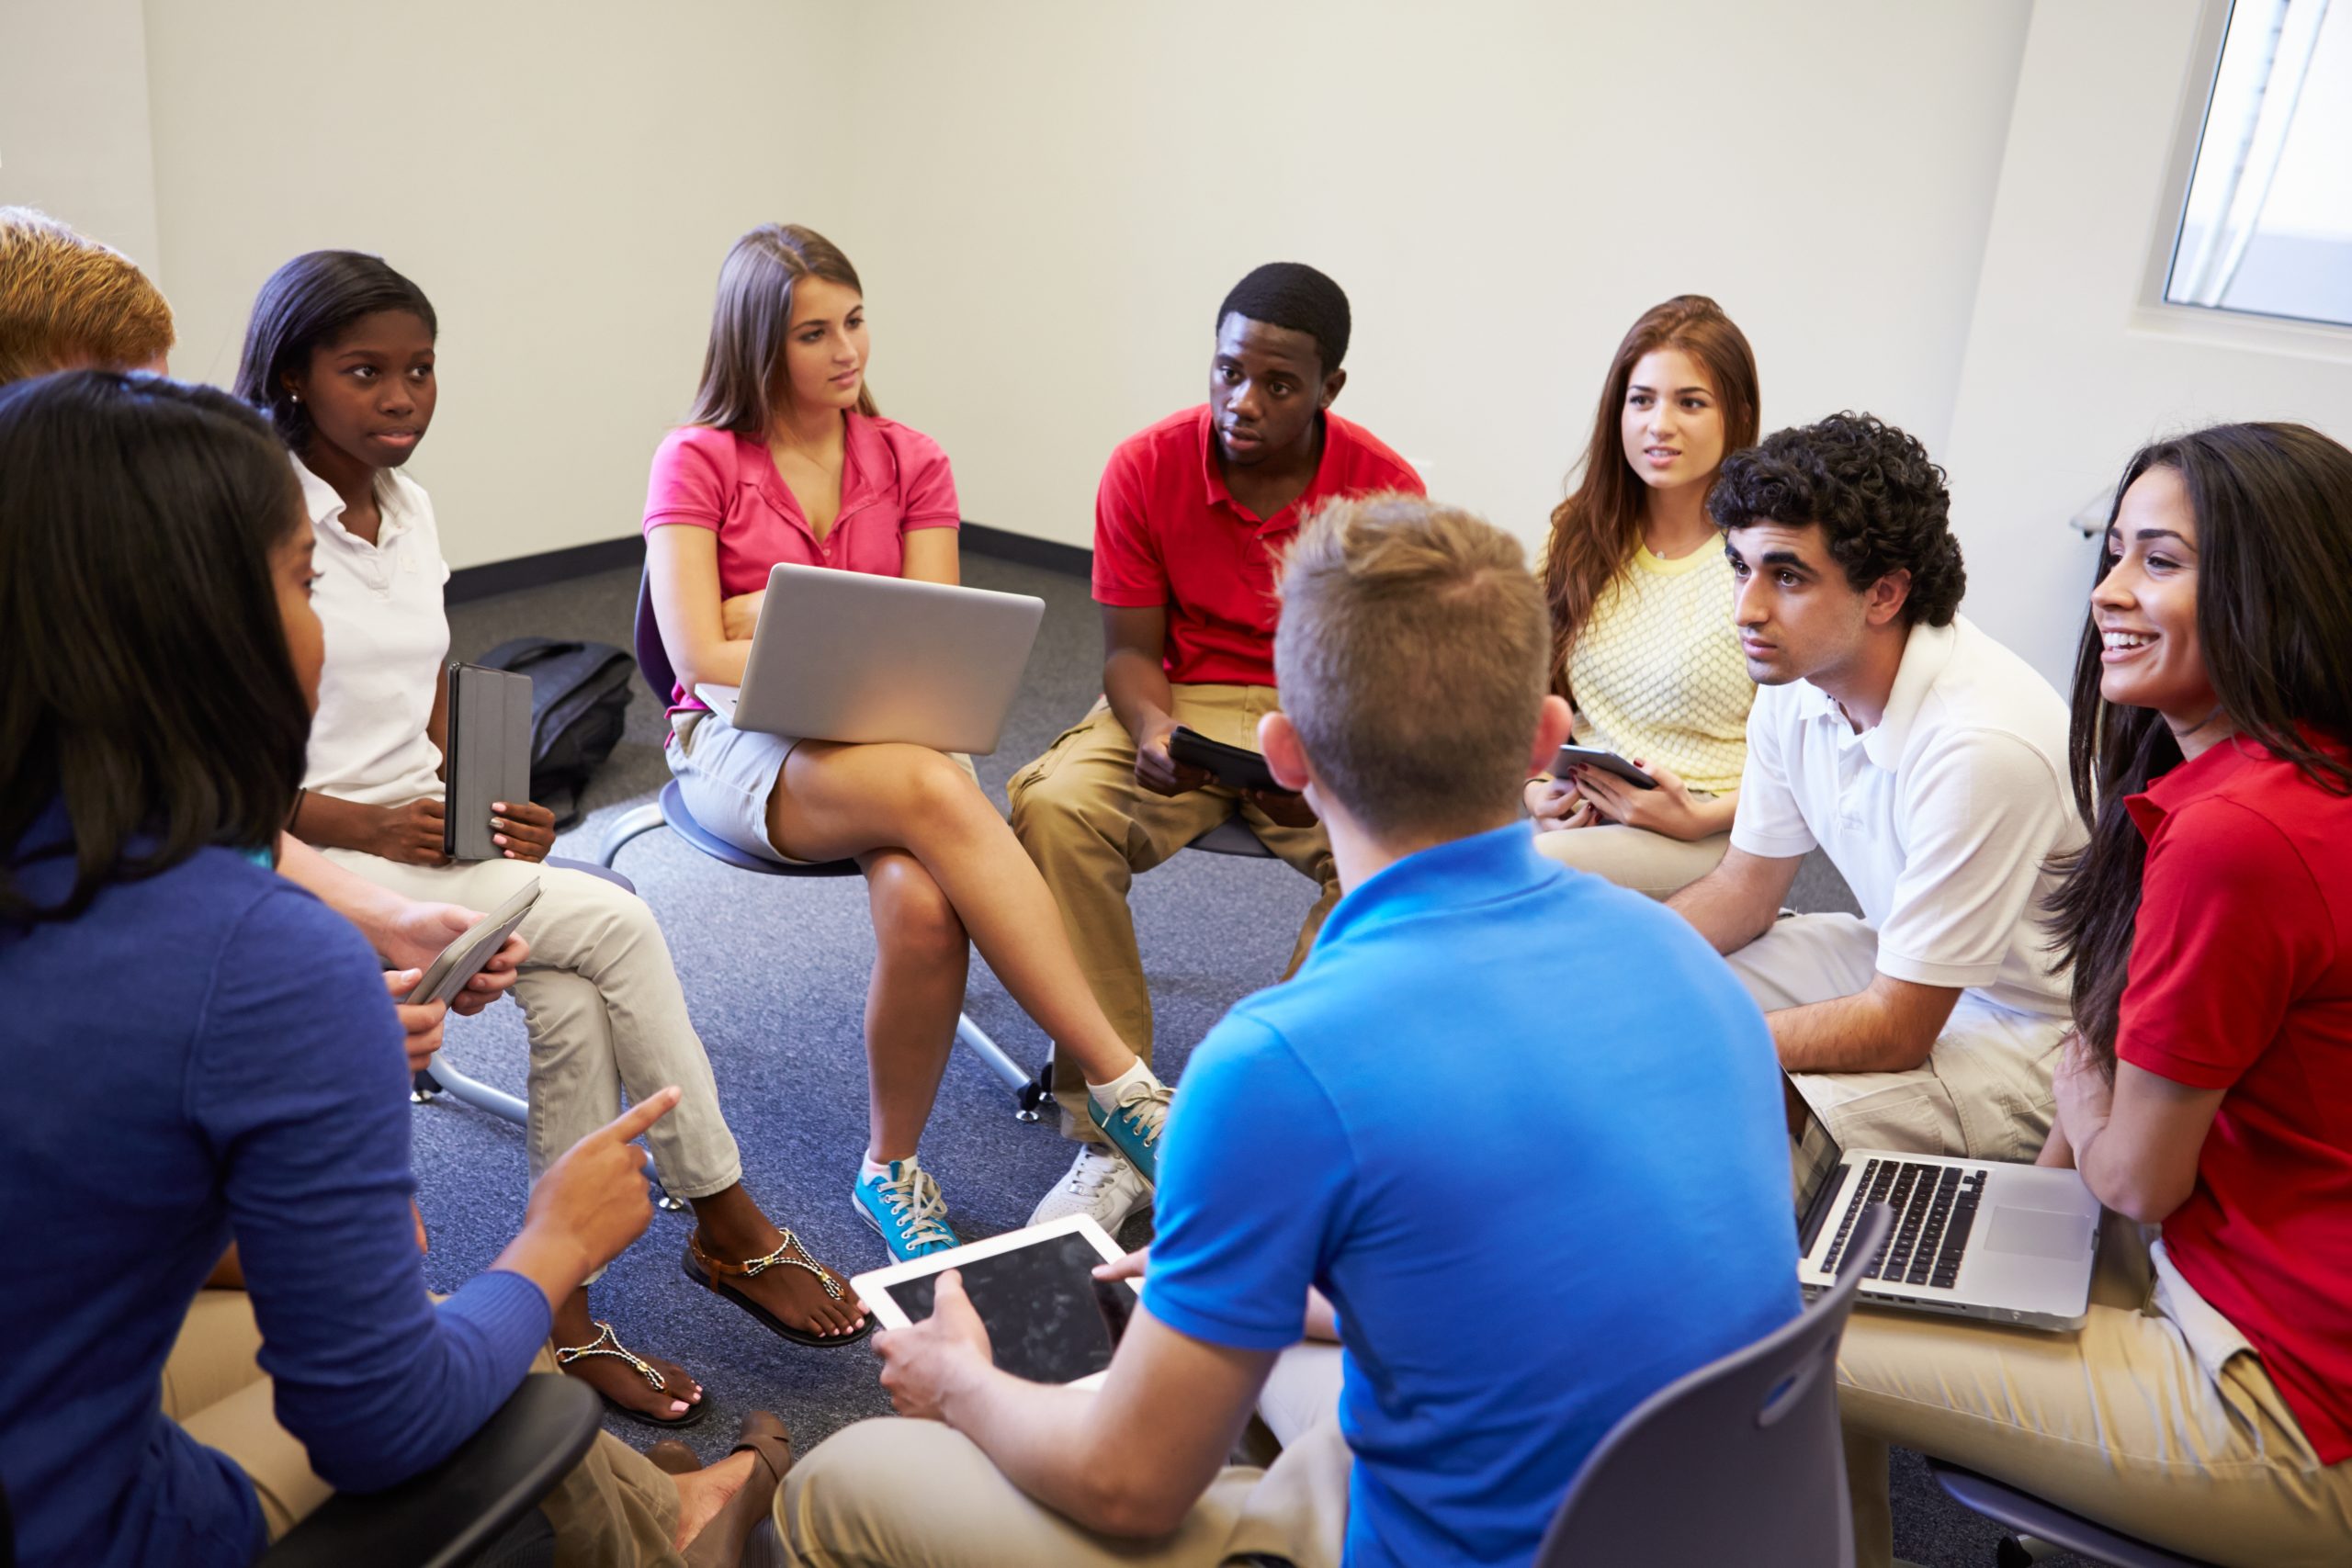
(775, 969)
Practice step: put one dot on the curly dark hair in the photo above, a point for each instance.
(1880, 503)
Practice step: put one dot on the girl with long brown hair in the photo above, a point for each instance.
(2206, 1404)
(1642, 639)
(784, 458)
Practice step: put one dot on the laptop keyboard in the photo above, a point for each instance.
(1935, 1208)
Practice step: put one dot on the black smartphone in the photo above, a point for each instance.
(1609, 762)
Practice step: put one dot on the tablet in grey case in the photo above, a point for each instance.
(490, 755)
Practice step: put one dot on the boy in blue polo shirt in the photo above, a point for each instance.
(1516, 1218)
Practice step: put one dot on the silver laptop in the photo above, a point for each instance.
(1973, 1238)
(853, 657)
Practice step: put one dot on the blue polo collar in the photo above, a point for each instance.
(1484, 868)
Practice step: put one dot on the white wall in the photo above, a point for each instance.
(1054, 195)
(563, 181)
(1048, 198)
(74, 138)
(2066, 374)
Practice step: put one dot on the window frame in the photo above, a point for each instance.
(2220, 324)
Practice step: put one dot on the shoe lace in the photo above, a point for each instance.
(916, 1205)
(1145, 1107)
(1091, 1171)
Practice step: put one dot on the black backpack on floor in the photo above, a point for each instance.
(579, 707)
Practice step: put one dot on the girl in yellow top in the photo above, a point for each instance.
(1641, 593)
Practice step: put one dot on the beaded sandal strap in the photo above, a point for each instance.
(567, 1354)
(758, 1266)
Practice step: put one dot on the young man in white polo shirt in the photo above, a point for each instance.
(1929, 762)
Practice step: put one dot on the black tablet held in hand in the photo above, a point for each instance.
(1034, 1290)
(1609, 762)
(1231, 766)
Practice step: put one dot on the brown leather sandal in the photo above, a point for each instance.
(712, 1274)
(719, 1544)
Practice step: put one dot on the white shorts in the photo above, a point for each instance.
(726, 776)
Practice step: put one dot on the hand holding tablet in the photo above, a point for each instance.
(1032, 1292)
(463, 959)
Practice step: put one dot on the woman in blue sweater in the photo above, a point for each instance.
(198, 1051)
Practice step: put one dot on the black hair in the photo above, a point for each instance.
(2273, 505)
(1294, 294)
(306, 304)
(149, 688)
(1881, 504)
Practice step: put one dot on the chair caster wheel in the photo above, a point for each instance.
(1027, 1114)
(668, 1204)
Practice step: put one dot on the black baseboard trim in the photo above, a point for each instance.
(1073, 560)
(470, 582)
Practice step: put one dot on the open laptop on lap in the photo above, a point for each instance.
(853, 657)
(1973, 1238)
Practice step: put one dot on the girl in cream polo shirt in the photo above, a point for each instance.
(1641, 609)
(339, 353)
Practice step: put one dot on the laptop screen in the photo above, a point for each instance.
(1813, 1169)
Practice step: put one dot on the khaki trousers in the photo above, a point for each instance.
(604, 1009)
(611, 1510)
(1090, 828)
(894, 1493)
(2155, 1419)
(1649, 863)
(1984, 1091)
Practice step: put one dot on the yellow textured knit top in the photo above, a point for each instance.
(1657, 672)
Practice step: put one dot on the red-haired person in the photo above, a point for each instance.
(1642, 639)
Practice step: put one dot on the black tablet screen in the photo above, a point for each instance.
(1038, 1304)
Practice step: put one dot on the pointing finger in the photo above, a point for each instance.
(642, 1115)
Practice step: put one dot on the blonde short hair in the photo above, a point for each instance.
(67, 301)
(1412, 662)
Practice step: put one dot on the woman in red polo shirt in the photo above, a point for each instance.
(784, 458)
(2207, 1404)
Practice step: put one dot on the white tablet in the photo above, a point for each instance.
(1035, 1290)
(463, 959)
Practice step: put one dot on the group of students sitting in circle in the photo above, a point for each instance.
(2117, 937)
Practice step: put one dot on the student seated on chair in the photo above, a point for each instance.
(2207, 1404)
(1637, 581)
(67, 303)
(783, 459)
(1929, 762)
(340, 355)
(200, 1049)
(1190, 518)
(1486, 1353)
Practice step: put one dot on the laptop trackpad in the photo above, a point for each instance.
(2039, 1233)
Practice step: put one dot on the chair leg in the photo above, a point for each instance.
(1038, 1093)
(632, 824)
(481, 1096)
(1016, 1077)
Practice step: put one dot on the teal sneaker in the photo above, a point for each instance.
(906, 1210)
(1133, 1127)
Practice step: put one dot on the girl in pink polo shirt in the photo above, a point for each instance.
(784, 458)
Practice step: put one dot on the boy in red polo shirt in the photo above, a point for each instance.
(1191, 520)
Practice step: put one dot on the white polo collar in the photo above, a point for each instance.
(1925, 651)
(325, 506)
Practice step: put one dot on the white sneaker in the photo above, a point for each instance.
(1100, 1183)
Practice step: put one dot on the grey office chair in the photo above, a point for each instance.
(669, 810)
(1740, 1461)
(2037, 1528)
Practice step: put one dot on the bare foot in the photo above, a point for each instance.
(703, 1492)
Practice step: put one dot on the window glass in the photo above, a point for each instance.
(2268, 225)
